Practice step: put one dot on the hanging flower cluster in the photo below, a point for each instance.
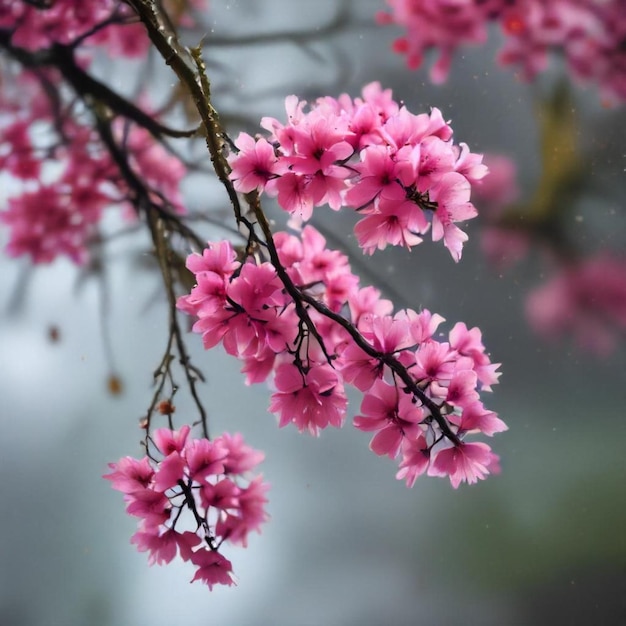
(590, 34)
(400, 171)
(191, 496)
(421, 396)
(301, 319)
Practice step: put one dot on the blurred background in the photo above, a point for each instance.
(543, 543)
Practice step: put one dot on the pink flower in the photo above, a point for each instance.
(313, 160)
(311, 400)
(461, 389)
(213, 322)
(257, 301)
(434, 362)
(285, 134)
(251, 515)
(45, 223)
(319, 145)
(358, 368)
(437, 158)
(390, 412)
(469, 343)
(423, 325)
(123, 40)
(470, 164)
(213, 568)
(258, 367)
(295, 195)
(388, 334)
(467, 462)
(163, 547)
(152, 506)
(587, 34)
(399, 170)
(499, 187)
(223, 495)
(415, 459)
(205, 458)
(219, 258)
(367, 302)
(476, 418)
(241, 458)
(396, 221)
(451, 193)
(130, 475)
(378, 177)
(162, 171)
(252, 501)
(171, 470)
(380, 99)
(586, 299)
(191, 477)
(168, 441)
(254, 166)
(440, 24)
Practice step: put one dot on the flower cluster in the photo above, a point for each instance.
(61, 187)
(57, 169)
(590, 35)
(421, 396)
(197, 484)
(586, 299)
(108, 23)
(401, 172)
(64, 178)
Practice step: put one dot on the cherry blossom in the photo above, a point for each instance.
(585, 298)
(284, 304)
(468, 462)
(588, 33)
(418, 390)
(415, 459)
(213, 568)
(311, 400)
(257, 167)
(208, 490)
(65, 172)
(396, 169)
(392, 414)
(108, 24)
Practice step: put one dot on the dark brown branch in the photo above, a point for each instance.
(62, 58)
(186, 64)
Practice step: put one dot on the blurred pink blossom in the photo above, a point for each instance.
(586, 299)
